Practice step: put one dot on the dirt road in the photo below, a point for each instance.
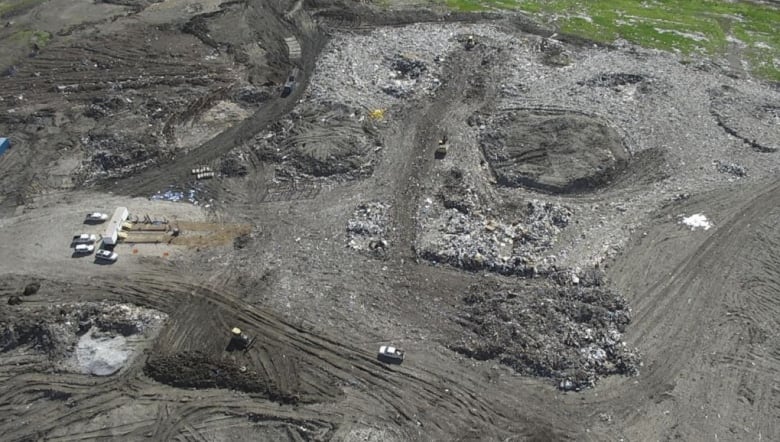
(101, 123)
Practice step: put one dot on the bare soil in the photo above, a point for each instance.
(539, 276)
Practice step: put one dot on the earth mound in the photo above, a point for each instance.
(195, 369)
(560, 152)
(316, 142)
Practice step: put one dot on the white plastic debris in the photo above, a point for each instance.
(697, 221)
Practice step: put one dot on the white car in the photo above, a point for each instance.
(97, 217)
(390, 355)
(84, 238)
(84, 248)
(106, 255)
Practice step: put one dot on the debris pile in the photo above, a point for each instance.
(731, 169)
(568, 330)
(475, 241)
(403, 79)
(696, 221)
(56, 330)
(613, 79)
(118, 155)
(234, 164)
(176, 196)
(367, 229)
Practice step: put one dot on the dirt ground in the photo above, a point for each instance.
(595, 257)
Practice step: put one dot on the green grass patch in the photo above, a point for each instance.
(684, 26)
(10, 7)
(27, 36)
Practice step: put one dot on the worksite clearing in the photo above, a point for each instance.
(569, 240)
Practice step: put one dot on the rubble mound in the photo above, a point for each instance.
(56, 330)
(367, 229)
(234, 164)
(614, 79)
(753, 119)
(407, 68)
(570, 333)
(117, 155)
(199, 370)
(730, 169)
(474, 241)
(557, 152)
(318, 142)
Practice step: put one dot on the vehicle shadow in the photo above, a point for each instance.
(103, 262)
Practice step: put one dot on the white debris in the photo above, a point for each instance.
(101, 356)
(697, 220)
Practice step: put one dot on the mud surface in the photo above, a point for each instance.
(594, 257)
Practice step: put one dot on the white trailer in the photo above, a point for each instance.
(111, 235)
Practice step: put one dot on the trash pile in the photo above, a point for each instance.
(403, 79)
(696, 221)
(93, 338)
(367, 229)
(476, 241)
(569, 329)
(731, 169)
(118, 155)
(175, 196)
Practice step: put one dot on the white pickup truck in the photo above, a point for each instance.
(96, 217)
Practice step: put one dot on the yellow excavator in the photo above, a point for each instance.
(441, 149)
(239, 341)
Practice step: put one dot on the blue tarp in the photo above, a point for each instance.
(5, 143)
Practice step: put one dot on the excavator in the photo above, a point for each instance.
(239, 341)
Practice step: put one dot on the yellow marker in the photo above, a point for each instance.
(377, 114)
(236, 331)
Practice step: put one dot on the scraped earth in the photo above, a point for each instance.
(595, 256)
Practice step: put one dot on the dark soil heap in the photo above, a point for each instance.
(569, 333)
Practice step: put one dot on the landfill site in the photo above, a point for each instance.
(288, 220)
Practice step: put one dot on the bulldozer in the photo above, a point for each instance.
(239, 341)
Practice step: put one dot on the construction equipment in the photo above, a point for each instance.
(239, 341)
(441, 149)
(470, 43)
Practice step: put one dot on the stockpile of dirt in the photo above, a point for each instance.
(367, 229)
(567, 328)
(475, 240)
(199, 370)
(316, 141)
(551, 151)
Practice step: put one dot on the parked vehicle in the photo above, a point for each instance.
(390, 355)
(85, 248)
(106, 255)
(85, 238)
(97, 217)
(289, 85)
